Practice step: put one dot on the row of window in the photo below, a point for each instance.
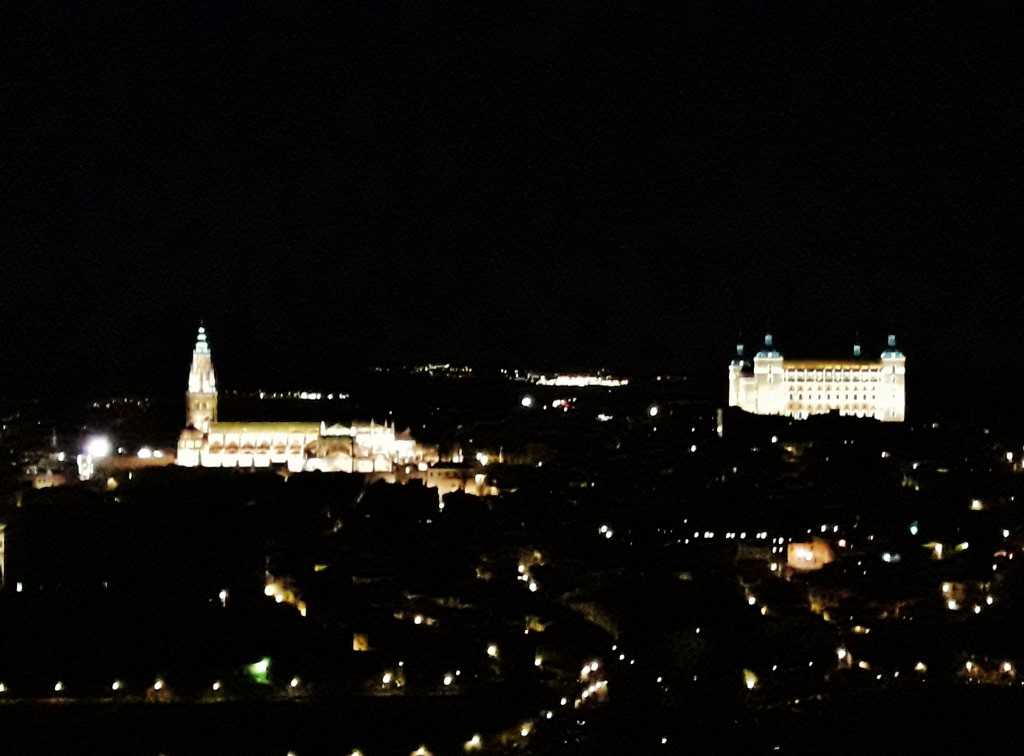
(804, 379)
(841, 377)
(829, 397)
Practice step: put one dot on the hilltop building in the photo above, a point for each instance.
(298, 446)
(773, 385)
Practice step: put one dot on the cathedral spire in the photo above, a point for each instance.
(201, 399)
(200, 376)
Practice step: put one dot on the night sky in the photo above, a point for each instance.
(536, 184)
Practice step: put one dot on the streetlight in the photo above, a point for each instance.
(99, 447)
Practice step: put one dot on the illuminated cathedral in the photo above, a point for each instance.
(296, 446)
(773, 385)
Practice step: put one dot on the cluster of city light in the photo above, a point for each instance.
(597, 686)
(953, 604)
(258, 671)
(988, 671)
(393, 678)
(524, 575)
(417, 618)
(307, 395)
(525, 563)
(283, 593)
(581, 381)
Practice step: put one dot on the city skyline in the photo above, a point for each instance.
(578, 187)
(510, 378)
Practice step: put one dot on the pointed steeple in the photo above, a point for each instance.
(200, 377)
(856, 345)
(201, 398)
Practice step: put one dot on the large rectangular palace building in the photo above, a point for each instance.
(773, 385)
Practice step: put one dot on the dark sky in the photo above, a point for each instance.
(542, 184)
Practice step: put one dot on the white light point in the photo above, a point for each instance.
(99, 447)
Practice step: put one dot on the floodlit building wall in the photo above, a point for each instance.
(809, 556)
(801, 388)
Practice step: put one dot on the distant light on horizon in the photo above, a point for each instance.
(581, 381)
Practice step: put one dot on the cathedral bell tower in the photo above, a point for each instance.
(201, 399)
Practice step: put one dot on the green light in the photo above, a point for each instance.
(258, 671)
